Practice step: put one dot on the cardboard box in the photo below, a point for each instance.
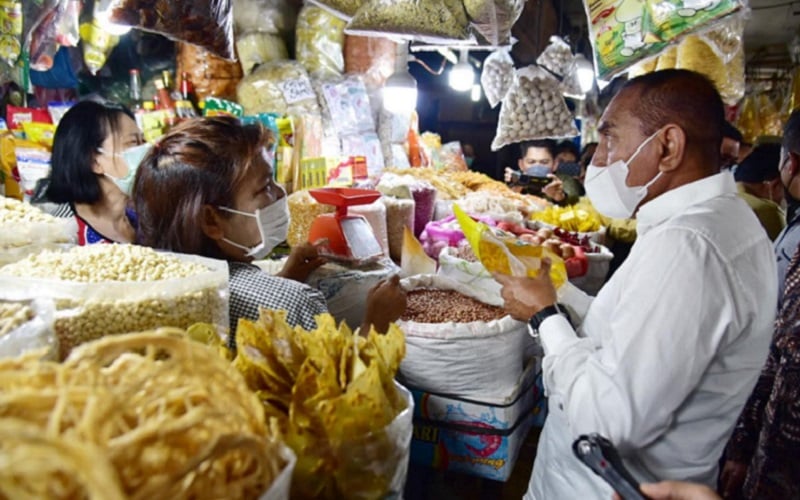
(472, 437)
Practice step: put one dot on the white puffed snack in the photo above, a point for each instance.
(281, 87)
(533, 109)
(497, 76)
(556, 57)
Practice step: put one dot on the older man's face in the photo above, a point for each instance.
(620, 135)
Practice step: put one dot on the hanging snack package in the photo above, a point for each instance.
(497, 76)
(263, 16)
(43, 44)
(207, 24)
(668, 59)
(373, 58)
(533, 109)
(343, 9)
(10, 30)
(749, 122)
(320, 42)
(97, 45)
(281, 87)
(501, 252)
(493, 19)
(695, 54)
(571, 85)
(255, 48)
(431, 21)
(556, 57)
(623, 33)
(211, 76)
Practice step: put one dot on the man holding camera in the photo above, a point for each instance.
(537, 176)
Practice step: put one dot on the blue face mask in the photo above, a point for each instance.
(469, 161)
(538, 171)
(133, 158)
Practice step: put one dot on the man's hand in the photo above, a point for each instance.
(386, 302)
(676, 490)
(732, 479)
(302, 261)
(523, 297)
(554, 190)
(507, 175)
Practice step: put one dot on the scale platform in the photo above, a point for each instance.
(350, 237)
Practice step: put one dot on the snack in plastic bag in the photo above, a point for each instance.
(320, 42)
(668, 59)
(256, 48)
(10, 30)
(207, 24)
(504, 253)
(432, 21)
(695, 54)
(570, 85)
(343, 9)
(213, 106)
(749, 122)
(372, 58)
(497, 76)
(556, 57)
(25, 326)
(726, 37)
(533, 109)
(493, 19)
(97, 45)
(278, 87)
(210, 75)
(265, 16)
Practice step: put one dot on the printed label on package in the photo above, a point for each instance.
(296, 90)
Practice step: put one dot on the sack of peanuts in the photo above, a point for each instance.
(26, 230)
(103, 290)
(458, 344)
(26, 325)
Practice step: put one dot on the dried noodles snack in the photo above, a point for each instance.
(432, 21)
(493, 19)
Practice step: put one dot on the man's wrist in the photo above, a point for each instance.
(535, 321)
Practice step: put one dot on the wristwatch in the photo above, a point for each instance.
(536, 319)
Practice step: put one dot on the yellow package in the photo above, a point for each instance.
(508, 255)
(8, 162)
(40, 133)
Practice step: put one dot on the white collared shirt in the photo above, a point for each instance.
(668, 351)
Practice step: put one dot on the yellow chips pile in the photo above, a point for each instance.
(332, 395)
(580, 217)
(140, 416)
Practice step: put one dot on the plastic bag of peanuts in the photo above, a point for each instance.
(102, 290)
(533, 109)
(497, 76)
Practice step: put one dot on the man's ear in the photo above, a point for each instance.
(211, 223)
(794, 164)
(673, 148)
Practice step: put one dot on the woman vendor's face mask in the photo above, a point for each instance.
(273, 225)
(133, 158)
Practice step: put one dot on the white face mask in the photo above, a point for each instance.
(606, 187)
(132, 158)
(273, 224)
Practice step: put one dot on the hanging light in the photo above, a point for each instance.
(102, 18)
(585, 73)
(475, 95)
(400, 89)
(462, 76)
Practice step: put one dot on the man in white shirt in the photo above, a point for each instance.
(663, 359)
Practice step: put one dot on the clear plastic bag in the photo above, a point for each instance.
(278, 87)
(372, 58)
(533, 109)
(345, 105)
(256, 48)
(33, 330)
(97, 45)
(493, 19)
(265, 16)
(695, 54)
(10, 31)
(726, 38)
(343, 9)
(320, 42)
(281, 487)
(211, 76)
(570, 85)
(207, 24)
(432, 21)
(497, 76)
(556, 57)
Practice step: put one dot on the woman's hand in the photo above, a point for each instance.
(507, 175)
(676, 490)
(302, 261)
(386, 302)
(554, 190)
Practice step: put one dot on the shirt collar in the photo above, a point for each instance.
(676, 200)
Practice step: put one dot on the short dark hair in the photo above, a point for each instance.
(548, 144)
(81, 131)
(761, 165)
(200, 162)
(687, 99)
(791, 133)
(731, 132)
(567, 146)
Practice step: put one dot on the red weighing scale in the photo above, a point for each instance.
(350, 237)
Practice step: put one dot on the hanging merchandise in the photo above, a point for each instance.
(668, 59)
(432, 21)
(493, 19)
(255, 48)
(749, 123)
(533, 109)
(207, 24)
(320, 42)
(211, 76)
(281, 87)
(10, 30)
(372, 58)
(497, 75)
(792, 99)
(97, 45)
(625, 32)
(642, 67)
(695, 54)
(343, 9)
(769, 116)
(571, 85)
(263, 16)
(556, 57)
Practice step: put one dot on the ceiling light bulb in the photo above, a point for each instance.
(400, 93)
(476, 93)
(585, 73)
(111, 28)
(462, 76)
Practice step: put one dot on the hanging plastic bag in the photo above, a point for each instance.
(695, 54)
(493, 19)
(432, 21)
(497, 76)
(343, 9)
(749, 122)
(726, 38)
(556, 57)
(571, 85)
(211, 76)
(264, 16)
(533, 109)
(207, 24)
(97, 44)
(10, 30)
(281, 87)
(255, 48)
(320, 42)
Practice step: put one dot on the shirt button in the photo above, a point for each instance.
(561, 406)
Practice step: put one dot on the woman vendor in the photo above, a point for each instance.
(207, 188)
(96, 149)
